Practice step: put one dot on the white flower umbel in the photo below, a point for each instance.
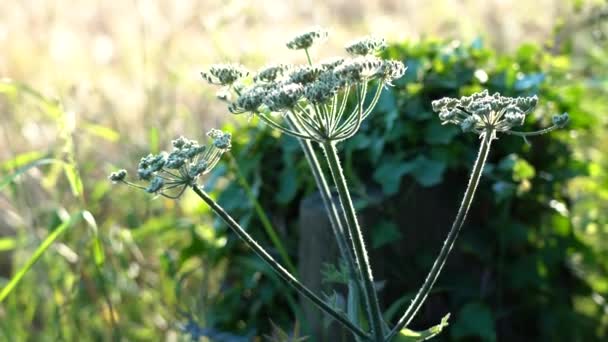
(485, 115)
(169, 174)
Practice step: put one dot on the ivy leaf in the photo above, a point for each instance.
(407, 335)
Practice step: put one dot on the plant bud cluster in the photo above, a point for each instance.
(179, 168)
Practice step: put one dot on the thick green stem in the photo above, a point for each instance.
(336, 224)
(326, 197)
(484, 151)
(361, 258)
(280, 270)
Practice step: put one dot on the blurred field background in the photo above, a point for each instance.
(97, 84)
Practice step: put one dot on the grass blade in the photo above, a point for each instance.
(4, 181)
(37, 254)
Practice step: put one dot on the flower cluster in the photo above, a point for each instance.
(366, 46)
(224, 74)
(315, 95)
(169, 174)
(482, 112)
(306, 39)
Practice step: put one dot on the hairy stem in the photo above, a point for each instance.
(280, 270)
(484, 151)
(331, 208)
(361, 258)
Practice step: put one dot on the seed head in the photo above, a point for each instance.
(224, 74)
(307, 39)
(366, 46)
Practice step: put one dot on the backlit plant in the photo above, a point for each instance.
(322, 104)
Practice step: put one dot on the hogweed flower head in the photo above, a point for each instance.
(364, 46)
(482, 113)
(307, 38)
(305, 74)
(224, 74)
(272, 72)
(250, 99)
(169, 174)
(284, 96)
(314, 99)
(118, 176)
(359, 69)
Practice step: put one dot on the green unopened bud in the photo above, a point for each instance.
(155, 185)
(197, 169)
(221, 140)
(447, 115)
(118, 176)
(306, 39)
(560, 120)
(366, 46)
(514, 116)
(469, 123)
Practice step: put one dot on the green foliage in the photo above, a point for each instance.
(518, 253)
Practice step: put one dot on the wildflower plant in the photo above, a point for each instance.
(322, 104)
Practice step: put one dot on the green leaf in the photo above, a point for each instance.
(475, 320)
(4, 181)
(7, 244)
(98, 253)
(102, 131)
(437, 134)
(389, 174)
(519, 167)
(21, 160)
(73, 176)
(385, 233)
(10, 286)
(407, 335)
(427, 172)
